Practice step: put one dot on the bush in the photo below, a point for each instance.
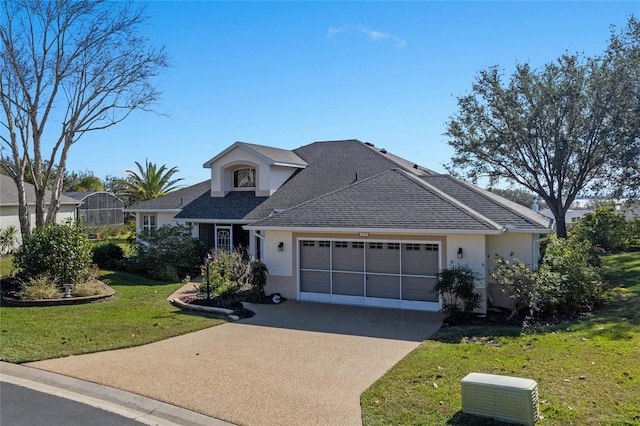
(168, 254)
(606, 229)
(258, 278)
(40, 287)
(228, 273)
(456, 286)
(566, 284)
(62, 251)
(87, 288)
(108, 255)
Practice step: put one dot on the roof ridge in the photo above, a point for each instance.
(493, 198)
(385, 155)
(453, 200)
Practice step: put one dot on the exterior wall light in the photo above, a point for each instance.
(460, 253)
(281, 246)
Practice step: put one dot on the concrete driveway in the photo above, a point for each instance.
(295, 363)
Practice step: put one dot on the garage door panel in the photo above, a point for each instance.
(315, 281)
(315, 255)
(383, 286)
(419, 288)
(348, 256)
(383, 257)
(420, 259)
(348, 284)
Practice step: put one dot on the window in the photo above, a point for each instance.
(341, 244)
(375, 246)
(393, 246)
(324, 243)
(148, 223)
(357, 245)
(431, 247)
(244, 178)
(415, 247)
(307, 243)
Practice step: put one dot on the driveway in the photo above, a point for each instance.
(295, 363)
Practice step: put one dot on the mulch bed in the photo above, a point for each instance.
(231, 302)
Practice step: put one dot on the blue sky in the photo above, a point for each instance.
(286, 74)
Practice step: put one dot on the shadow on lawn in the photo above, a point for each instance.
(463, 419)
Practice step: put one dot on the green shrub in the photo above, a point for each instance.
(40, 287)
(258, 278)
(456, 286)
(88, 288)
(8, 239)
(108, 255)
(566, 284)
(62, 251)
(106, 231)
(168, 254)
(606, 229)
(227, 273)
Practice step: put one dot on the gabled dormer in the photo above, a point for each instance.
(248, 167)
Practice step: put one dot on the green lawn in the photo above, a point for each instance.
(138, 314)
(588, 371)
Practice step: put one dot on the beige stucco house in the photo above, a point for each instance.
(347, 222)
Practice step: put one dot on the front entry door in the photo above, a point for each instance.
(223, 238)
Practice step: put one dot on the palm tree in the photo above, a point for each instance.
(151, 182)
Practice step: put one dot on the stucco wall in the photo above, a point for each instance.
(473, 254)
(9, 217)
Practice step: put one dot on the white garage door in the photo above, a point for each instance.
(397, 274)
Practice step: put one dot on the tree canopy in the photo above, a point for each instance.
(148, 183)
(67, 68)
(571, 126)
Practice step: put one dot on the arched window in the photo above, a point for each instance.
(244, 178)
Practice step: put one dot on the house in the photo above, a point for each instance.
(347, 222)
(9, 205)
(98, 208)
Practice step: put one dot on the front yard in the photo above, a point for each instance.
(588, 370)
(139, 313)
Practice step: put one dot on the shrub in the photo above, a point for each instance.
(87, 288)
(456, 286)
(108, 255)
(168, 254)
(520, 283)
(7, 239)
(62, 251)
(106, 231)
(258, 278)
(40, 287)
(606, 229)
(227, 272)
(567, 283)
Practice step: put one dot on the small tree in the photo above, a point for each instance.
(60, 251)
(258, 278)
(456, 286)
(7, 239)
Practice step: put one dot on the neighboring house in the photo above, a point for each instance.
(98, 208)
(346, 222)
(570, 217)
(9, 205)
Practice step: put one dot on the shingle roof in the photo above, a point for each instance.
(235, 205)
(392, 199)
(9, 193)
(174, 200)
(489, 204)
(332, 165)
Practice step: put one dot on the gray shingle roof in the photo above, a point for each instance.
(9, 193)
(489, 204)
(235, 205)
(174, 200)
(390, 200)
(332, 165)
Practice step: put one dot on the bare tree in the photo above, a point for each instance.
(67, 68)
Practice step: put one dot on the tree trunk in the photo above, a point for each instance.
(561, 226)
(23, 208)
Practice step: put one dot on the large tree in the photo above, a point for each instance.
(67, 68)
(569, 127)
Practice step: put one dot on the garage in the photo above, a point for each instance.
(392, 274)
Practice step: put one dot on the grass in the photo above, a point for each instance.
(588, 370)
(138, 314)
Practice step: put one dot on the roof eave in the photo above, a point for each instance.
(373, 230)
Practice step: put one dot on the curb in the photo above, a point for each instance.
(139, 408)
